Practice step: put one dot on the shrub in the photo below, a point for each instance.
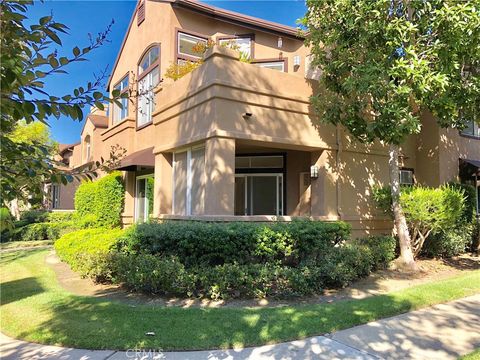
(102, 199)
(58, 217)
(200, 243)
(42, 231)
(6, 220)
(33, 216)
(449, 243)
(87, 251)
(382, 249)
(427, 210)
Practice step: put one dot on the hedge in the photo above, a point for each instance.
(251, 260)
(202, 243)
(101, 200)
(86, 251)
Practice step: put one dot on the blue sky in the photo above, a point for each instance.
(83, 17)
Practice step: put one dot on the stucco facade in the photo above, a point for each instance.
(235, 141)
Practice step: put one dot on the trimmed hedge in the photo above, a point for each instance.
(201, 243)
(251, 260)
(101, 200)
(86, 251)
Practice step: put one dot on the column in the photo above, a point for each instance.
(162, 194)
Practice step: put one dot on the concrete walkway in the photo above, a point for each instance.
(444, 331)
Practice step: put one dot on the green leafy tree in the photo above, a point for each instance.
(386, 62)
(29, 56)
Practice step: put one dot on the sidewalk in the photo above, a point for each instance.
(444, 331)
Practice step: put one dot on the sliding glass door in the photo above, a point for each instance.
(259, 194)
(143, 198)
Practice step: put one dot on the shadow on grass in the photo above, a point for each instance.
(16, 290)
(96, 324)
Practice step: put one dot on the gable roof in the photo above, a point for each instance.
(99, 121)
(219, 14)
(62, 148)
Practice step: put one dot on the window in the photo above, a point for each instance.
(259, 194)
(144, 197)
(406, 177)
(472, 129)
(186, 45)
(189, 180)
(121, 113)
(259, 162)
(141, 12)
(148, 79)
(241, 44)
(274, 65)
(55, 196)
(88, 148)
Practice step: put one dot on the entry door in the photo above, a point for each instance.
(259, 194)
(143, 198)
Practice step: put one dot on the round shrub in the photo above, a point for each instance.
(102, 200)
(449, 243)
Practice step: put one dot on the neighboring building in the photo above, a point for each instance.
(76, 156)
(236, 140)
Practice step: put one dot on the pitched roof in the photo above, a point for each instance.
(219, 14)
(64, 147)
(100, 121)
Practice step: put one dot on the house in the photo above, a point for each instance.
(236, 140)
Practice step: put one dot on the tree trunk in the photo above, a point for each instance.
(406, 259)
(14, 209)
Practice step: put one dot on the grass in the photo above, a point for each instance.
(35, 308)
(475, 355)
(24, 244)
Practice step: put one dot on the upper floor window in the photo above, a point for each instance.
(274, 65)
(148, 79)
(187, 45)
(88, 148)
(121, 112)
(243, 44)
(472, 129)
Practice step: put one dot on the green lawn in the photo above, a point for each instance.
(24, 244)
(35, 308)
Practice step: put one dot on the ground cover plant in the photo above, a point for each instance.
(34, 307)
(227, 260)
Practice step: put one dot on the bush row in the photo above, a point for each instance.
(104, 256)
(201, 243)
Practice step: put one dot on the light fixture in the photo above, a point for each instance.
(280, 43)
(314, 171)
(296, 60)
(247, 115)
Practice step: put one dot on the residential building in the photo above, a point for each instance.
(237, 140)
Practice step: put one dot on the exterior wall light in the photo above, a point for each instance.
(280, 43)
(247, 115)
(314, 171)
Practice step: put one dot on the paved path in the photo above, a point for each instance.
(442, 332)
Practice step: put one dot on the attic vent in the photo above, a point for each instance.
(141, 12)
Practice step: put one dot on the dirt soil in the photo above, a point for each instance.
(380, 282)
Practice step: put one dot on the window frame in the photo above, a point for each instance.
(144, 73)
(278, 60)
(127, 76)
(400, 177)
(182, 56)
(146, 206)
(476, 128)
(250, 36)
(55, 188)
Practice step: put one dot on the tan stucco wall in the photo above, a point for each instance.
(67, 196)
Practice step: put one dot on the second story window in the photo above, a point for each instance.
(187, 44)
(121, 112)
(242, 44)
(148, 79)
(88, 148)
(472, 129)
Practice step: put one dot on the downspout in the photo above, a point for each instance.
(338, 159)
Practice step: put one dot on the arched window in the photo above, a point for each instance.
(148, 79)
(87, 147)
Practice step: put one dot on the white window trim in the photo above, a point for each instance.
(262, 65)
(115, 106)
(135, 215)
(192, 36)
(188, 195)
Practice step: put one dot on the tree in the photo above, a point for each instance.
(28, 57)
(35, 135)
(386, 62)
